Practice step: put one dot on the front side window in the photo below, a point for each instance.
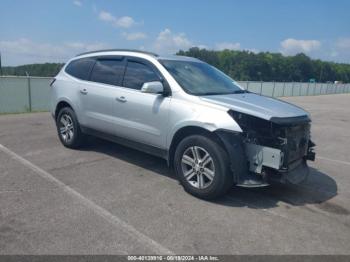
(137, 74)
(108, 71)
(80, 68)
(199, 78)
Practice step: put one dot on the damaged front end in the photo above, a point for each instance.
(273, 150)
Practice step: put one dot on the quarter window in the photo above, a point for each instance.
(80, 68)
(109, 71)
(137, 74)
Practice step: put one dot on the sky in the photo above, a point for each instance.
(37, 31)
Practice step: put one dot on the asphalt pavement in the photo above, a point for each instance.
(107, 199)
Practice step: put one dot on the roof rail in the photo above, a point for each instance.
(111, 50)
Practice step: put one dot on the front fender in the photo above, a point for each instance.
(210, 121)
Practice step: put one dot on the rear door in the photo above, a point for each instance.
(79, 71)
(141, 117)
(97, 94)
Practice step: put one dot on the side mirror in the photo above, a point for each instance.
(155, 87)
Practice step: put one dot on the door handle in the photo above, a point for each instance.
(121, 99)
(83, 91)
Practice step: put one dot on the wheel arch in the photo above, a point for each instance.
(61, 104)
(231, 142)
(186, 131)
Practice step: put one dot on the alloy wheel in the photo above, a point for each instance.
(66, 128)
(198, 167)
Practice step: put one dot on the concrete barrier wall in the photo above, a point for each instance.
(29, 94)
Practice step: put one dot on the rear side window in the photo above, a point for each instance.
(80, 68)
(136, 74)
(108, 71)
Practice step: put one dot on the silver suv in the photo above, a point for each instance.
(212, 131)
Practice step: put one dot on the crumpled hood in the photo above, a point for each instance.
(256, 105)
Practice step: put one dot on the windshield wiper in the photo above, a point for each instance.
(212, 93)
(242, 91)
(223, 93)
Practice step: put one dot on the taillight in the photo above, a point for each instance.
(53, 81)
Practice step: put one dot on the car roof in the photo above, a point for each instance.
(118, 50)
(138, 52)
(179, 58)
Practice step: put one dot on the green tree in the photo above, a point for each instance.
(266, 66)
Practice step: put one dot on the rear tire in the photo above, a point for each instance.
(202, 166)
(68, 128)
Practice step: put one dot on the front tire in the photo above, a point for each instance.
(202, 167)
(68, 128)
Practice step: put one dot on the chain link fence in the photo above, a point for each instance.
(30, 94)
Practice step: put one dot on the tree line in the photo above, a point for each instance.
(266, 66)
(240, 65)
(45, 70)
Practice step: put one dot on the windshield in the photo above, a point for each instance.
(199, 78)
